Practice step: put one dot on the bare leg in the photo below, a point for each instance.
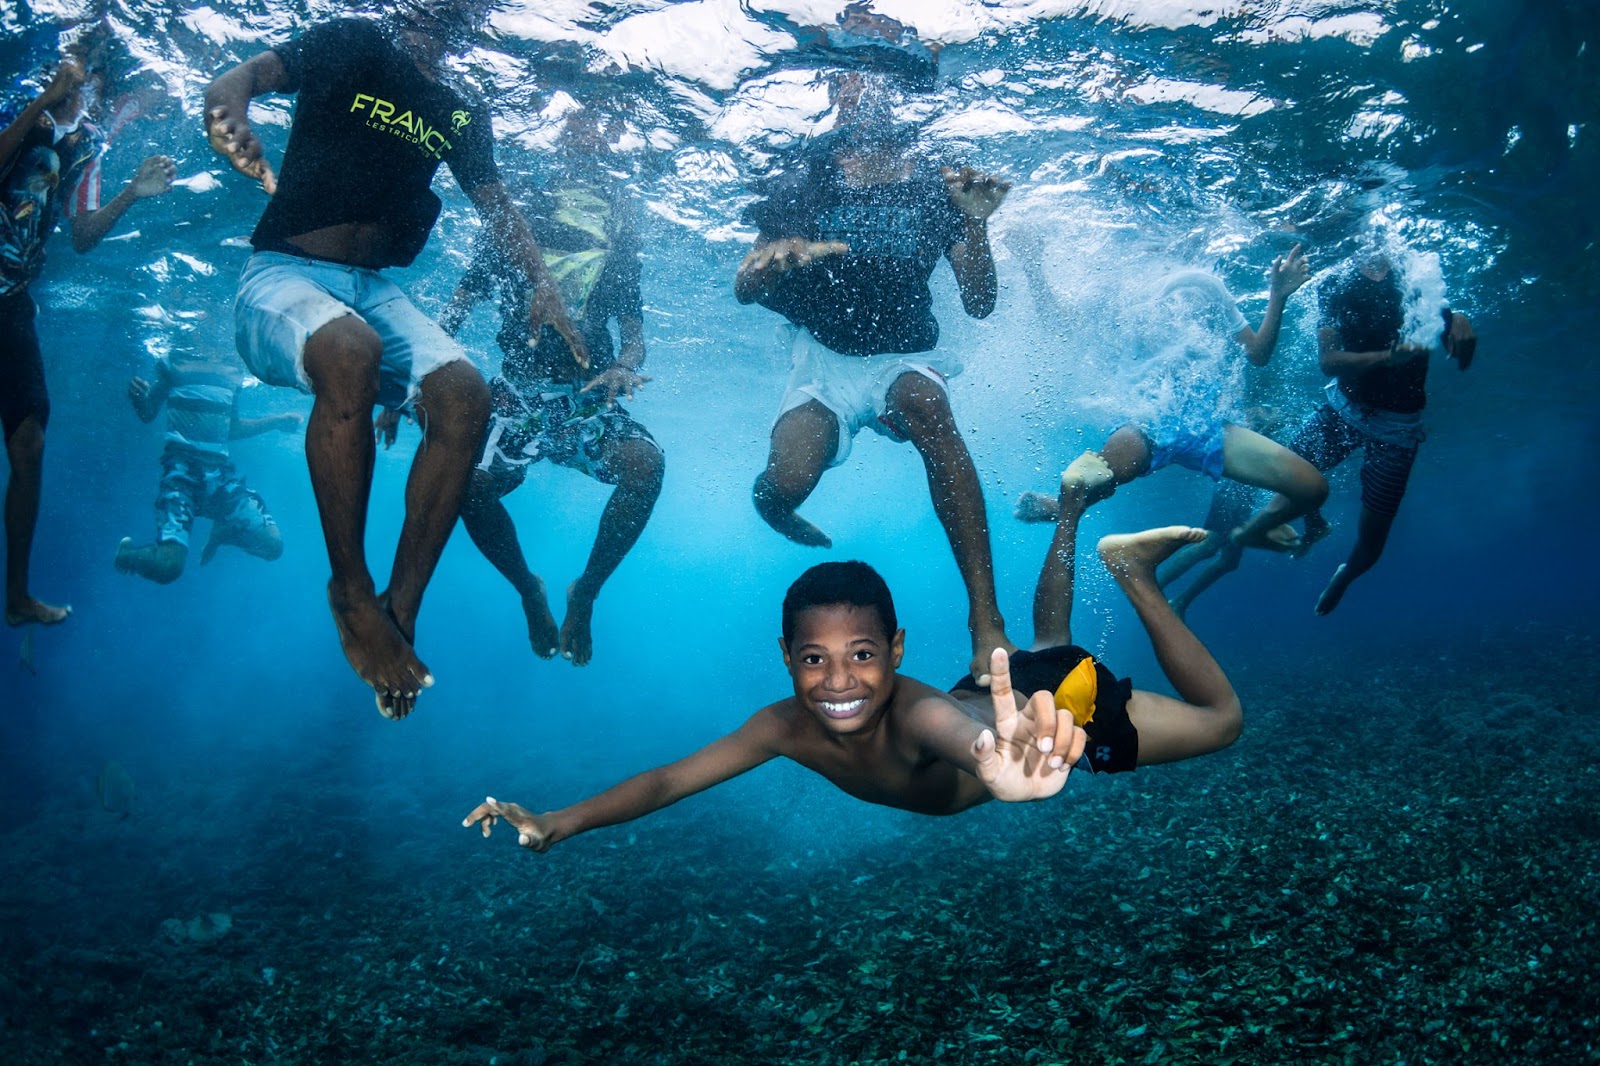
(1186, 559)
(1126, 453)
(1231, 505)
(803, 441)
(1224, 562)
(452, 411)
(1052, 597)
(491, 529)
(1251, 459)
(161, 563)
(1371, 536)
(923, 408)
(341, 359)
(640, 467)
(1208, 716)
(259, 536)
(25, 449)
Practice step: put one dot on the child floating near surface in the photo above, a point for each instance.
(1191, 432)
(898, 742)
(197, 476)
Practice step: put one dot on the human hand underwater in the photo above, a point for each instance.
(154, 177)
(530, 833)
(1288, 273)
(768, 261)
(1029, 753)
(1460, 340)
(386, 427)
(545, 308)
(617, 381)
(973, 194)
(230, 135)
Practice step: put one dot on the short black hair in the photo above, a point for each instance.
(853, 583)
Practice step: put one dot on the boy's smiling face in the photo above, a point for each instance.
(843, 663)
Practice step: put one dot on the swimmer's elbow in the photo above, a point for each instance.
(980, 305)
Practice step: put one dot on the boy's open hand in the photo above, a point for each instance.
(1029, 752)
(530, 834)
(973, 194)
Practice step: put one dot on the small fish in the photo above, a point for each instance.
(115, 789)
(863, 879)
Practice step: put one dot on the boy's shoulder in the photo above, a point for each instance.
(913, 697)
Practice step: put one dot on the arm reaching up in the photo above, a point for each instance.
(976, 196)
(154, 178)
(1028, 752)
(1288, 273)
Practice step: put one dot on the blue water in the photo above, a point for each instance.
(1395, 864)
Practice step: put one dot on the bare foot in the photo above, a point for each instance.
(796, 528)
(1317, 528)
(1133, 557)
(1088, 478)
(124, 560)
(542, 635)
(28, 611)
(1037, 507)
(577, 643)
(1282, 538)
(1334, 592)
(379, 653)
(220, 535)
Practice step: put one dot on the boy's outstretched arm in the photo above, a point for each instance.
(1028, 753)
(744, 749)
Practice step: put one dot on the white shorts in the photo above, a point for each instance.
(284, 299)
(855, 388)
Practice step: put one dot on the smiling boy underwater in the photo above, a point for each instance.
(898, 742)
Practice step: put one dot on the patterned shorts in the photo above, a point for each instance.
(555, 422)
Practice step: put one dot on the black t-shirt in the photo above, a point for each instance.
(875, 297)
(369, 132)
(589, 240)
(1366, 315)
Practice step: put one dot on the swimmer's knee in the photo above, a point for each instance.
(1315, 492)
(1227, 723)
(921, 404)
(25, 446)
(166, 562)
(266, 543)
(642, 465)
(342, 360)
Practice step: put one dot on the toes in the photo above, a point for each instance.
(384, 701)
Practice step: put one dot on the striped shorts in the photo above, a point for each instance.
(1328, 440)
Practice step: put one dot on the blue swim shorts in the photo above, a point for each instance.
(1186, 444)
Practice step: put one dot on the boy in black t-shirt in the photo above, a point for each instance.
(374, 119)
(1374, 403)
(846, 246)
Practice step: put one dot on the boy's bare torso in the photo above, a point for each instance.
(884, 764)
